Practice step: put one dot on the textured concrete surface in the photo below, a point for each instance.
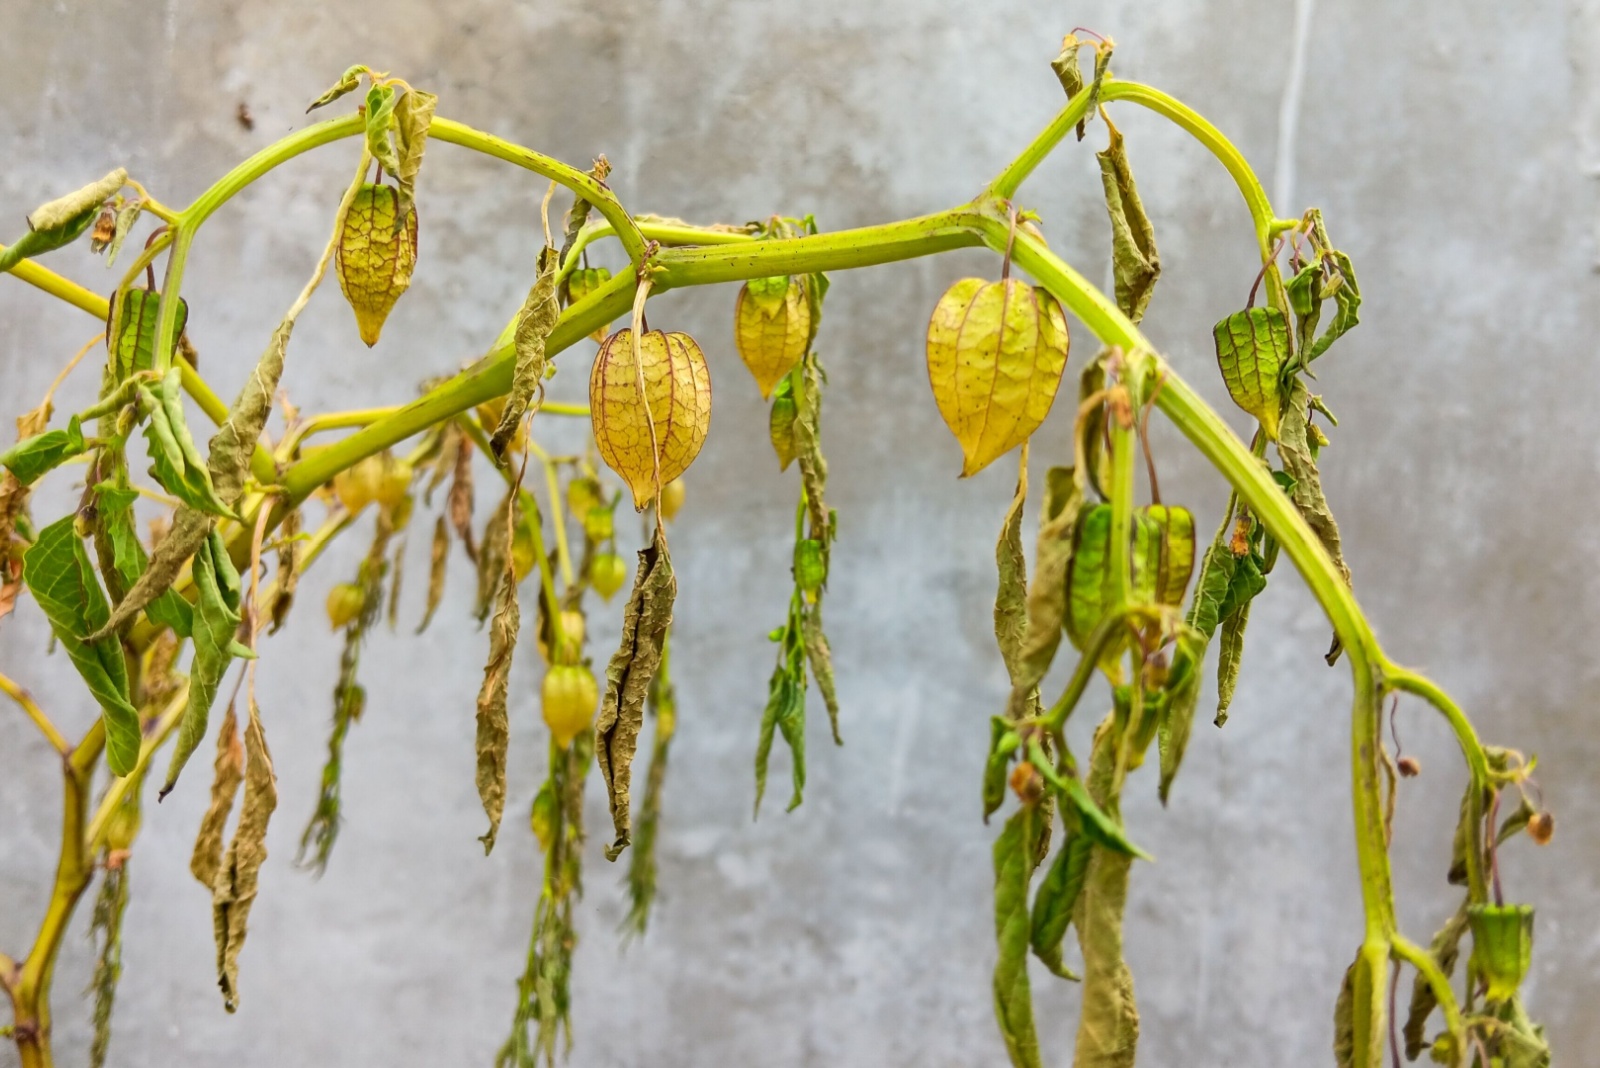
(1454, 151)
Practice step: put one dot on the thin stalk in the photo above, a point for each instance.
(25, 699)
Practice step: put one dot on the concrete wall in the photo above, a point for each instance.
(1452, 147)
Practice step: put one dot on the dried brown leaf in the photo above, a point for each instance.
(206, 859)
(234, 891)
(494, 725)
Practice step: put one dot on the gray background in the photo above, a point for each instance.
(1453, 148)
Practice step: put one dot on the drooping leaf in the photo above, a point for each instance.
(216, 622)
(1358, 1030)
(62, 221)
(127, 215)
(808, 385)
(1011, 595)
(644, 628)
(494, 725)
(128, 559)
(819, 655)
(62, 579)
(663, 703)
(32, 457)
(1445, 950)
(459, 500)
(438, 558)
(786, 713)
(1053, 905)
(1003, 742)
(1230, 649)
(206, 859)
(1047, 593)
(1177, 708)
(1097, 824)
(287, 577)
(1135, 263)
(996, 352)
(1013, 1000)
(1108, 1024)
(534, 323)
(234, 892)
(175, 461)
(1340, 284)
(1252, 349)
(1168, 560)
(1295, 450)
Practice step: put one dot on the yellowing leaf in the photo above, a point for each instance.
(996, 351)
(375, 256)
(670, 418)
(771, 326)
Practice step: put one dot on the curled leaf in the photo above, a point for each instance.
(534, 323)
(413, 117)
(216, 622)
(438, 558)
(996, 352)
(1013, 1000)
(132, 341)
(1252, 349)
(376, 253)
(494, 726)
(234, 892)
(670, 419)
(206, 859)
(1135, 262)
(644, 628)
(772, 328)
(1058, 894)
(32, 457)
(780, 422)
(348, 82)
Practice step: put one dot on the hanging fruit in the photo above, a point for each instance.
(669, 420)
(375, 256)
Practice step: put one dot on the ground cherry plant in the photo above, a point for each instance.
(1139, 598)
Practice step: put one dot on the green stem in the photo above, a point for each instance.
(1434, 976)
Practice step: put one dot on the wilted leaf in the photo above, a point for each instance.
(288, 573)
(534, 323)
(61, 578)
(807, 427)
(1358, 1017)
(206, 859)
(1229, 652)
(234, 891)
(996, 352)
(109, 907)
(175, 462)
(1177, 708)
(494, 726)
(1003, 742)
(663, 702)
(1056, 900)
(380, 117)
(1013, 1000)
(216, 622)
(132, 344)
(1252, 349)
(1347, 295)
(785, 713)
(1088, 581)
(819, 654)
(459, 500)
(1010, 599)
(670, 419)
(644, 628)
(1047, 594)
(1134, 260)
(127, 215)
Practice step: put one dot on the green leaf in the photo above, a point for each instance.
(348, 82)
(1252, 349)
(133, 342)
(1003, 741)
(1358, 1017)
(1229, 652)
(32, 457)
(1135, 263)
(1341, 285)
(216, 622)
(819, 654)
(644, 629)
(1013, 1000)
(534, 323)
(785, 712)
(1088, 577)
(1096, 824)
(380, 117)
(61, 578)
(1056, 899)
(175, 462)
(1169, 558)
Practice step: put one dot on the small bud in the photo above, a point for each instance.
(1542, 826)
(1410, 767)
